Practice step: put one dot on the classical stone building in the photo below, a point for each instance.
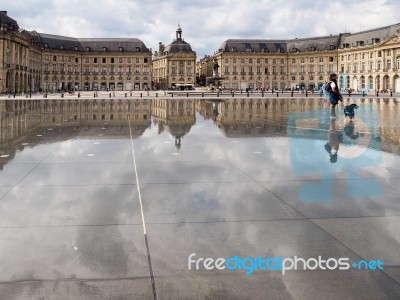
(30, 61)
(370, 60)
(174, 65)
(204, 69)
(94, 64)
(20, 60)
(367, 60)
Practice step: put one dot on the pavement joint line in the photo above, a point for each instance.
(153, 284)
(315, 224)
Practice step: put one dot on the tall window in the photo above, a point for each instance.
(181, 71)
(389, 64)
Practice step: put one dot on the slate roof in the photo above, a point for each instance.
(51, 41)
(314, 44)
(367, 36)
(178, 45)
(331, 42)
(243, 45)
(7, 22)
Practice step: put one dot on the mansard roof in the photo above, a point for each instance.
(331, 42)
(8, 23)
(50, 41)
(371, 36)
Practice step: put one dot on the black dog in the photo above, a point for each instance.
(349, 110)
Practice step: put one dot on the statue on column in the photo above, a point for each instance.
(215, 68)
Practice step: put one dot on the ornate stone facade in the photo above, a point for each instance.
(174, 65)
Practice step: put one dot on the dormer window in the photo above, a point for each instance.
(137, 49)
(346, 45)
(61, 47)
(121, 49)
(46, 45)
(332, 47)
(75, 48)
(104, 49)
(360, 43)
(88, 49)
(375, 40)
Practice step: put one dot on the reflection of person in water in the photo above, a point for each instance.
(332, 147)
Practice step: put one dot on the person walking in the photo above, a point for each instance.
(334, 94)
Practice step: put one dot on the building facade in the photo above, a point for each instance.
(32, 61)
(174, 65)
(365, 61)
(19, 58)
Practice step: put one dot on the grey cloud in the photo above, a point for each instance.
(205, 23)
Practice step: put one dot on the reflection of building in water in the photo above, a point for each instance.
(41, 121)
(174, 116)
(246, 116)
(268, 117)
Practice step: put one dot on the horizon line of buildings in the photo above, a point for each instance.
(32, 62)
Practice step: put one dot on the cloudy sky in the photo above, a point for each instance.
(205, 23)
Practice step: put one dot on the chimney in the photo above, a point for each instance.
(4, 12)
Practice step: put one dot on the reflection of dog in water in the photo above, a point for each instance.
(349, 110)
(349, 130)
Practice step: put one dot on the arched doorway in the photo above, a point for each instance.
(21, 83)
(25, 84)
(16, 84)
(386, 83)
(396, 84)
(370, 83)
(363, 83)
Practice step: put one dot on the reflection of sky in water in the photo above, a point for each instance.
(232, 187)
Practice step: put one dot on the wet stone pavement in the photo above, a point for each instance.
(109, 198)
